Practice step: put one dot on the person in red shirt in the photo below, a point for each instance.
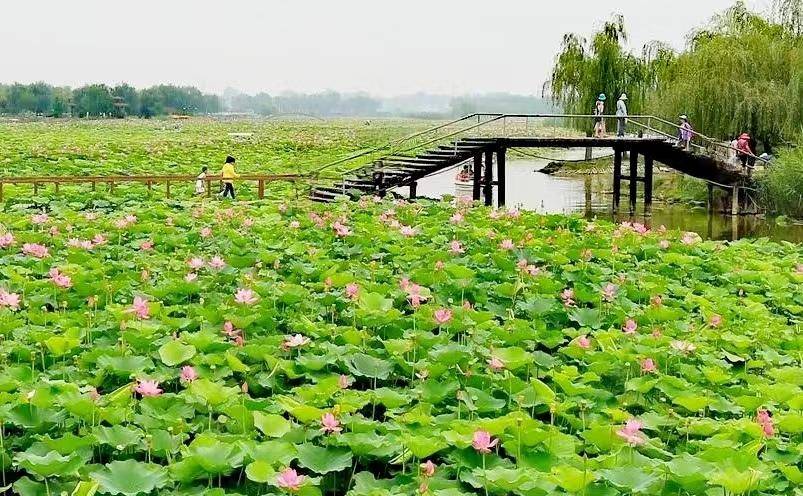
(743, 150)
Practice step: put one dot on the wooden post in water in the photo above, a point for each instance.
(500, 171)
(633, 179)
(413, 190)
(617, 177)
(648, 167)
(735, 201)
(589, 150)
(489, 178)
(477, 176)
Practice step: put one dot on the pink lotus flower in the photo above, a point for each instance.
(341, 230)
(609, 292)
(648, 366)
(482, 441)
(330, 424)
(764, 419)
(6, 240)
(656, 301)
(146, 245)
(513, 213)
(90, 216)
(228, 329)
(294, 341)
(343, 381)
(191, 277)
(216, 263)
(630, 327)
(99, 239)
(715, 320)
(144, 275)
(656, 333)
(584, 342)
(495, 214)
(148, 388)
(39, 218)
(188, 373)
(140, 308)
(59, 279)
(443, 316)
(94, 395)
(663, 244)
(196, 263)
(10, 300)
(428, 468)
(206, 232)
(496, 364)
(690, 238)
(290, 480)
(245, 296)
(567, 295)
(507, 244)
(798, 267)
(407, 231)
(455, 248)
(131, 219)
(83, 244)
(294, 224)
(352, 291)
(439, 265)
(457, 218)
(54, 231)
(248, 222)
(35, 250)
(631, 432)
(415, 296)
(683, 346)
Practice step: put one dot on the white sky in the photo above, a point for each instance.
(380, 46)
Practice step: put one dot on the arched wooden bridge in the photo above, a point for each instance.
(482, 140)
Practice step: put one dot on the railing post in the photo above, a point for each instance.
(1, 191)
(167, 189)
(56, 184)
(413, 190)
(94, 185)
(35, 188)
(208, 188)
(261, 188)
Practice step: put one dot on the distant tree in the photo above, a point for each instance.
(150, 103)
(130, 96)
(790, 15)
(93, 100)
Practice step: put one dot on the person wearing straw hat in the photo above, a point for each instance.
(599, 112)
(621, 115)
(685, 133)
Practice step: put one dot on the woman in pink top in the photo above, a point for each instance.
(685, 133)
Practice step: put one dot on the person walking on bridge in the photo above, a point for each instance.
(743, 149)
(599, 120)
(621, 115)
(685, 133)
(228, 175)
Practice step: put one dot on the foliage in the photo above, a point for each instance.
(781, 184)
(742, 73)
(333, 376)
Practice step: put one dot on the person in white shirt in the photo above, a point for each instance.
(621, 115)
(200, 182)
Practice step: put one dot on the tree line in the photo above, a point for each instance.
(95, 100)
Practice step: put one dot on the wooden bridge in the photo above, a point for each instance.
(482, 141)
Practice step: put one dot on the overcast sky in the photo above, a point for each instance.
(380, 46)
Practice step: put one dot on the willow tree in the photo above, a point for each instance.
(585, 68)
(741, 73)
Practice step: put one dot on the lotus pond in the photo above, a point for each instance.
(389, 349)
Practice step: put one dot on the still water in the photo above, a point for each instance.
(589, 195)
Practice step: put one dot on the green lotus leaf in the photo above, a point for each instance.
(130, 477)
(323, 460)
(175, 352)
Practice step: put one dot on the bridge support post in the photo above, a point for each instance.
(489, 178)
(648, 168)
(477, 176)
(710, 199)
(735, 201)
(633, 180)
(500, 172)
(589, 150)
(617, 177)
(413, 190)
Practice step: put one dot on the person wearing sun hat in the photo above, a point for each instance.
(621, 115)
(685, 133)
(599, 120)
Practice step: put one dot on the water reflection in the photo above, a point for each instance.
(590, 195)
